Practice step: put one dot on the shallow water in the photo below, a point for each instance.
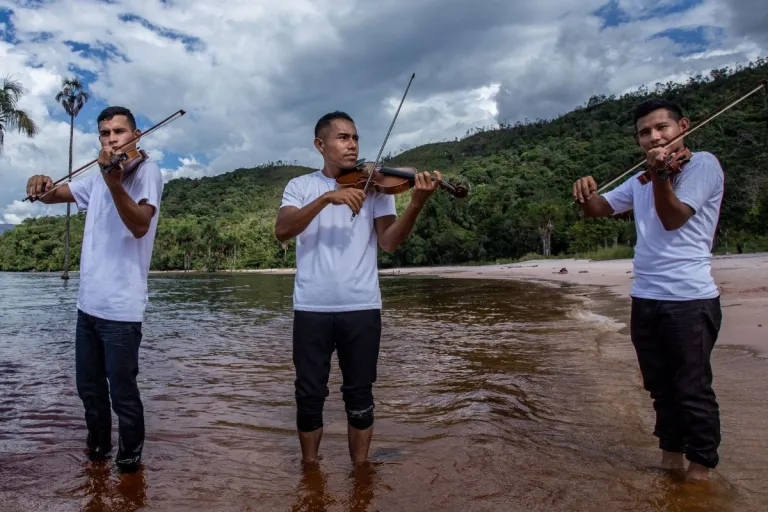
(492, 395)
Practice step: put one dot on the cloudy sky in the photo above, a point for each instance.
(254, 75)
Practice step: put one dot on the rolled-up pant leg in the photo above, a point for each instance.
(313, 345)
(358, 335)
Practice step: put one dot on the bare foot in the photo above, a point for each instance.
(697, 473)
(672, 460)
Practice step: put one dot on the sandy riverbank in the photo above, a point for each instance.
(742, 280)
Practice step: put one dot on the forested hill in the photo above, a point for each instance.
(521, 178)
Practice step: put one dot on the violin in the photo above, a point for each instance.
(673, 164)
(130, 158)
(389, 180)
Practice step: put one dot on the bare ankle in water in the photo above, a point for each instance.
(672, 460)
(359, 443)
(310, 444)
(697, 473)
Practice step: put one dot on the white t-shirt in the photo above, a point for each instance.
(114, 265)
(675, 265)
(336, 259)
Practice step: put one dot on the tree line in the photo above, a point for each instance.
(519, 204)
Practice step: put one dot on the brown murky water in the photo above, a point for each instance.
(492, 395)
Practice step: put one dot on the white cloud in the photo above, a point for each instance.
(189, 168)
(254, 76)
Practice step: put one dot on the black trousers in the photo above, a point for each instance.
(355, 335)
(674, 341)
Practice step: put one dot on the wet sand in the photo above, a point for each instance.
(742, 280)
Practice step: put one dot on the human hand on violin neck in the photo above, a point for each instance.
(424, 186)
(655, 158)
(112, 177)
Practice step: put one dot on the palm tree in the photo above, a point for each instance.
(12, 118)
(72, 97)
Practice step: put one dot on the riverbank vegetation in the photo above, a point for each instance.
(519, 204)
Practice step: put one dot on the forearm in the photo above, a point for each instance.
(401, 228)
(671, 211)
(596, 206)
(58, 195)
(294, 223)
(135, 218)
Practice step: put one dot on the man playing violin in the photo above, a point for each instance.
(675, 315)
(336, 298)
(122, 204)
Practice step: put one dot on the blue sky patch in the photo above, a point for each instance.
(613, 15)
(191, 44)
(7, 30)
(691, 40)
(103, 51)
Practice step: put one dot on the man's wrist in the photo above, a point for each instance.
(115, 186)
(417, 202)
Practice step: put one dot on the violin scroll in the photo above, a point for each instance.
(673, 164)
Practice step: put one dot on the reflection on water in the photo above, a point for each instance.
(492, 395)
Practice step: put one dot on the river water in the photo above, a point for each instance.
(491, 395)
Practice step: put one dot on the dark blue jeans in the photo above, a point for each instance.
(107, 350)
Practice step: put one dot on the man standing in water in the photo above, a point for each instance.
(676, 315)
(123, 208)
(336, 298)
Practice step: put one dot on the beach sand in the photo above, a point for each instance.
(742, 280)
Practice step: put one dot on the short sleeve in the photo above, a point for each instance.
(384, 204)
(698, 182)
(81, 190)
(621, 198)
(150, 189)
(292, 195)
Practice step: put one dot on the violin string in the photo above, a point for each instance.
(381, 150)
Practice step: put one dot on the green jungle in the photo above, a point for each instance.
(519, 205)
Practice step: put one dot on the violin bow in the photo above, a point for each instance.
(763, 85)
(60, 182)
(381, 150)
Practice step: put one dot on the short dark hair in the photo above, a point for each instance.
(648, 106)
(325, 121)
(110, 112)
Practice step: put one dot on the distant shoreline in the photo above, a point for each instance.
(741, 278)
